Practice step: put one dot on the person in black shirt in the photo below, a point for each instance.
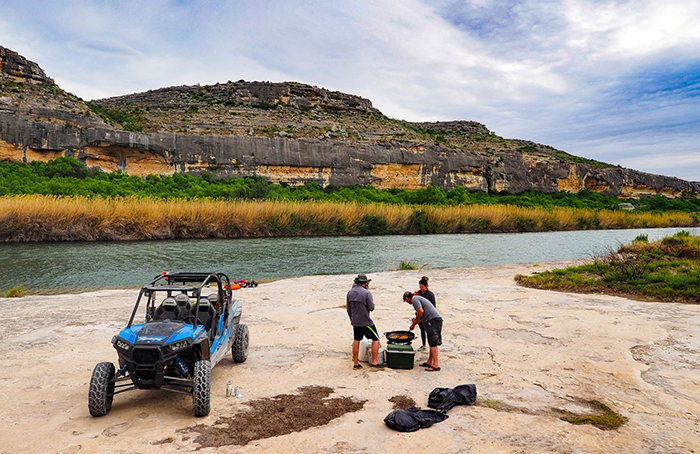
(430, 296)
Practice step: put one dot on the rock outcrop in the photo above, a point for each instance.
(286, 132)
(252, 94)
(16, 67)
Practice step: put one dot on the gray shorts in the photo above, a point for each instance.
(433, 329)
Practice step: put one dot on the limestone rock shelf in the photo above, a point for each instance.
(286, 132)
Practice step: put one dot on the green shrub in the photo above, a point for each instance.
(473, 225)
(420, 222)
(523, 224)
(406, 265)
(590, 222)
(371, 224)
(129, 120)
(17, 291)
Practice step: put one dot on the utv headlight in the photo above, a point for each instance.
(123, 345)
(178, 345)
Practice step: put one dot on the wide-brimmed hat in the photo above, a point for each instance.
(361, 279)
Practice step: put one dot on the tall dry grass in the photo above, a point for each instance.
(47, 218)
(506, 218)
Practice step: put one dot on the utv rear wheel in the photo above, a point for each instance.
(201, 388)
(101, 389)
(239, 350)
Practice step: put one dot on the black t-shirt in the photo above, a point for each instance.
(430, 296)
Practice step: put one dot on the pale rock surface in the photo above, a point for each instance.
(533, 351)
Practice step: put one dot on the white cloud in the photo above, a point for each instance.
(674, 154)
(632, 29)
(552, 72)
(108, 47)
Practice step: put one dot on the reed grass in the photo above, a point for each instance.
(51, 218)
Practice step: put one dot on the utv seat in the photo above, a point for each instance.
(167, 310)
(206, 313)
(213, 299)
(183, 304)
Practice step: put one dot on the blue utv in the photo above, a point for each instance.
(184, 335)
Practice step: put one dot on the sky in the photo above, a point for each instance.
(616, 81)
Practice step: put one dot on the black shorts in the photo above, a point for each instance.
(370, 332)
(433, 329)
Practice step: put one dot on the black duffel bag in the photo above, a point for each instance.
(444, 399)
(413, 419)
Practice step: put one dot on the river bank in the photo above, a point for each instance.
(35, 218)
(531, 354)
(662, 270)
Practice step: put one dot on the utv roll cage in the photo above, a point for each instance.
(175, 284)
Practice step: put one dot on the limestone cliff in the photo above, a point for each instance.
(286, 132)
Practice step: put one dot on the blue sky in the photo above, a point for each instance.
(617, 81)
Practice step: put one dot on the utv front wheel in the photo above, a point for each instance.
(101, 389)
(239, 350)
(201, 388)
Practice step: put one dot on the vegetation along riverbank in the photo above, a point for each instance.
(666, 270)
(68, 177)
(63, 200)
(52, 218)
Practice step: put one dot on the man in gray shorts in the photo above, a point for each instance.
(428, 314)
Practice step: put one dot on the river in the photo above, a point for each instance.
(49, 268)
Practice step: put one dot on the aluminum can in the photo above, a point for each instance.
(235, 393)
(229, 387)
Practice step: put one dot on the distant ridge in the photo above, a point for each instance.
(287, 132)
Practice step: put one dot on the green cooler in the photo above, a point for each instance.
(399, 356)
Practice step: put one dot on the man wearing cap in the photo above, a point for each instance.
(359, 305)
(428, 314)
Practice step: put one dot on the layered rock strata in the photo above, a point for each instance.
(38, 121)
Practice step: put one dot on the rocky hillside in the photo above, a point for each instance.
(292, 110)
(286, 132)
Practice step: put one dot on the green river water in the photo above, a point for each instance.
(73, 267)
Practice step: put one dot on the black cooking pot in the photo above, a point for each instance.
(400, 337)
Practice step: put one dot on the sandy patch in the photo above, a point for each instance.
(533, 355)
